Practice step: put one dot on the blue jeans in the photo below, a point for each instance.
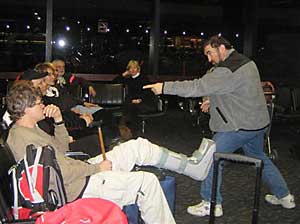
(252, 144)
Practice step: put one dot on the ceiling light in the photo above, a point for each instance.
(61, 43)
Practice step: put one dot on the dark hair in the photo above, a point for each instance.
(21, 95)
(217, 41)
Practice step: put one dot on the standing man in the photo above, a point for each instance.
(239, 117)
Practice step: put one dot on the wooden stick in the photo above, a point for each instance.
(101, 143)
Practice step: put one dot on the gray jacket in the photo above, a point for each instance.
(236, 97)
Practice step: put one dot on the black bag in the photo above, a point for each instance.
(37, 183)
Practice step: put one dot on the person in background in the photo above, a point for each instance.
(138, 100)
(66, 84)
(79, 125)
(68, 81)
(238, 116)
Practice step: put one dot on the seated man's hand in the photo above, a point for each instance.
(92, 91)
(54, 112)
(76, 111)
(156, 88)
(87, 104)
(105, 165)
(88, 118)
(71, 139)
(136, 101)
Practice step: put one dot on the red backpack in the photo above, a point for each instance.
(37, 183)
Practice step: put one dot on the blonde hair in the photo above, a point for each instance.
(42, 67)
(58, 61)
(135, 64)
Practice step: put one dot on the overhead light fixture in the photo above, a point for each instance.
(61, 43)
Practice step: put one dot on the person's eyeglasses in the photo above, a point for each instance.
(39, 103)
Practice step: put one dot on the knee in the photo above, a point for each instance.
(150, 179)
(142, 140)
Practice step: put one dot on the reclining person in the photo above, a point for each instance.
(109, 179)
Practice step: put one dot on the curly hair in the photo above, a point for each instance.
(21, 95)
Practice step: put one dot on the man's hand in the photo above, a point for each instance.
(136, 101)
(92, 91)
(54, 112)
(88, 118)
(205, 106)
(76, 111)
(71, 139)
(87, 104)
(156, 88)
(105, 165)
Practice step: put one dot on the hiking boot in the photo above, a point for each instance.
(203, 209)
(286, 202)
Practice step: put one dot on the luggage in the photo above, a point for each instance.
(85, 210)
(168, 186)
(218, 157)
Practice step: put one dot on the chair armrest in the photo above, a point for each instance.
(78, 155)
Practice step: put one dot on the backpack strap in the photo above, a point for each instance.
(12, 171)
(32, 178)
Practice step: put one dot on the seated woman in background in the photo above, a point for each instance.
(138, 100)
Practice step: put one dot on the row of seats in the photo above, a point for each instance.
(112, 97)
(287, 102)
